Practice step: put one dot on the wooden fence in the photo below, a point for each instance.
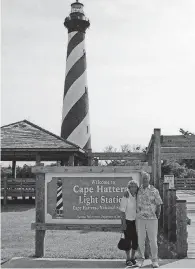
(25, 187)
(174, 222)
(185, 183)
(18, 187)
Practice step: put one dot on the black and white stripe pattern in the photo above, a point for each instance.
(75, 115)
(59, 202)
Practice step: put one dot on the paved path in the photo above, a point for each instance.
(68, 263)
(189, 196)
(185, 263)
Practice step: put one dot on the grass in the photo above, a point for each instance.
(17, 238)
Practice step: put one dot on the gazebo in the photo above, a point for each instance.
(25, 141)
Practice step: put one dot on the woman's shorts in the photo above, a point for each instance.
(131, 234)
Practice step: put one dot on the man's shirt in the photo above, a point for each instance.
(128, 206)
(147, 201)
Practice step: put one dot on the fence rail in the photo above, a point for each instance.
(185, 183)
(25, 187)
(19, 187)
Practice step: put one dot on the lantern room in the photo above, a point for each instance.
(77, 7)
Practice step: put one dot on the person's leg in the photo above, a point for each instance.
(127, 236)
(133, 254)
(134, 245)
(152, 231)
(141, 231)
(128, 255)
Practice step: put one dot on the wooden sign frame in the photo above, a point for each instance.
(40, 226)
(90, 177)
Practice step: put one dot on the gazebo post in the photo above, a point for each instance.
(14, 169)
(71, 160)
(14, 175)
(38, 159)
(89, 157)
(96, 161)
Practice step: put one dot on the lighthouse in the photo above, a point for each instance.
(75, 113)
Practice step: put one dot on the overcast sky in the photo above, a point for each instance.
(140, 58)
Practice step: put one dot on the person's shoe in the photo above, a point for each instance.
(134, 262)
(155, 265)
(129, 263)
(140, 263)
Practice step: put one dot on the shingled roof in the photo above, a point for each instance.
(26, 135)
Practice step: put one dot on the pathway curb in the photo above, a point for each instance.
(4, 261)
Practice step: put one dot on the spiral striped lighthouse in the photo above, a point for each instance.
(59, 200)
(75, 115)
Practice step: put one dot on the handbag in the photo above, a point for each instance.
(123, 244)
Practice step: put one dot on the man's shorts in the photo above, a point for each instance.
(131, 234)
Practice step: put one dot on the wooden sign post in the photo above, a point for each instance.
(40, 214)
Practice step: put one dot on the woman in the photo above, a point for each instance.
(128, 216)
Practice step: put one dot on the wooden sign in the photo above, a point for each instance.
(72, 198)
(177, 141)
(169, 179)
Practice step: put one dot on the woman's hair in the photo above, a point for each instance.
(129, 184)
(132, 182)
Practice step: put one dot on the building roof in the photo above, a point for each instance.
(26, 135)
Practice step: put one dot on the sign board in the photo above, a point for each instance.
(169, 179)
(85, 197)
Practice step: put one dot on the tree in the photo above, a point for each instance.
(189, 163)
(185, 133)
(177, 169)
(132, 148)
(125, 148)
(110, 148)
(6, 172)
(24, 172)
(21, 172)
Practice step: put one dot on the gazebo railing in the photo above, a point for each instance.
(17, 188)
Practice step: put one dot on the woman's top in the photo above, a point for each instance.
(128, 206)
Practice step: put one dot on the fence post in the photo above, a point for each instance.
(172, 215)
(181, 213)
(40, 214)
(5, 191)
(156, 158)
(165, 207)
(162, 209)
(150, 163)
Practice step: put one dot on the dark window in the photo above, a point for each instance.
(87, 129)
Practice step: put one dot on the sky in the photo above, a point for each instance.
(140, 66)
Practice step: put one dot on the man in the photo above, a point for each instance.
(128, 216)
(148, 212)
